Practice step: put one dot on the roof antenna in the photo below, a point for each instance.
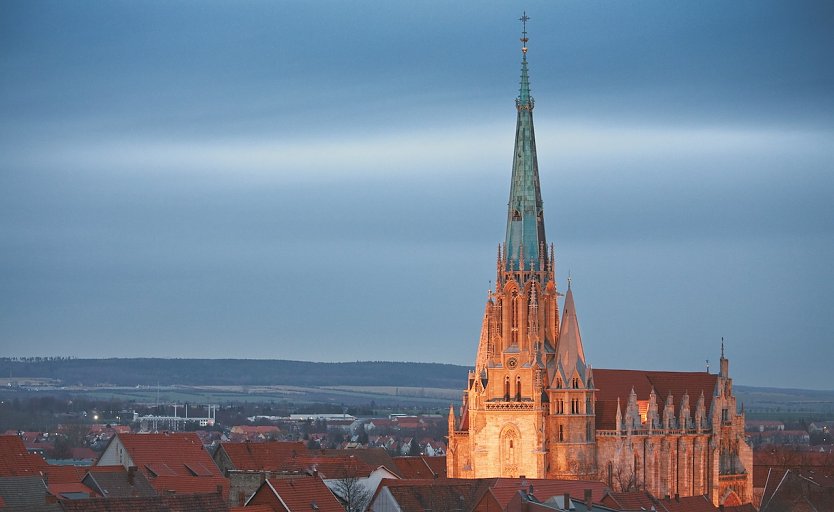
(707, 365)
(722, 347)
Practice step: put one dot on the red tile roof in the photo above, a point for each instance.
(168, 451)
(72, 487)
(687, 504)
(505, 488)
(15, 460)
(628, 501)
(65, 474)
(185, 503)
(300, 494)
(640, 500)
(252, 508)
(331, 466)
(430, 494)
(416, 467)
(83, 453)
(373, 457)
(174, 462)
(271, 456)
(436, 464)
(191, 485)
(614, 384)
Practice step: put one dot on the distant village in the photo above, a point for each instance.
(181, 458)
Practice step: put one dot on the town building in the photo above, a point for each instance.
(173, 462)
(533, 405)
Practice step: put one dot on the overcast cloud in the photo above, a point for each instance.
(328, 180)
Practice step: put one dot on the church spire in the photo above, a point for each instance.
(525, 218)
(569, 353)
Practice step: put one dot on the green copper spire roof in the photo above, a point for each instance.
(525, 217)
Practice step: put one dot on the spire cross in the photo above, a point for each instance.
(524, 19)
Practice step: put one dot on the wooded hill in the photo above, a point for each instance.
(233, 372)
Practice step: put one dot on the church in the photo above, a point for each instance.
(534, 407)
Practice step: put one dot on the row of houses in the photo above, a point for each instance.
(175, 472)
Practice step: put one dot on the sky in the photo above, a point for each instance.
(328, 181)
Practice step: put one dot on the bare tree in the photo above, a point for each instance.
(352, 491)
(624, 478)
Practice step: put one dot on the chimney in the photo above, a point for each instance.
(219, 489)
(588, 502)
(567, 501)
(677, 497)
(131, 475)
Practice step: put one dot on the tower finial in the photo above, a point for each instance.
(722, 347)
(524, 19)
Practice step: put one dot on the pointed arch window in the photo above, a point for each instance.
(509, 443)
(515, 320)
(518, 389)
(507, 388)
(516, 215)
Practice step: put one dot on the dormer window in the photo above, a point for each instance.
(575, 382)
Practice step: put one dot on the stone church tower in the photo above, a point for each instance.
(530, 377)
(534, 407)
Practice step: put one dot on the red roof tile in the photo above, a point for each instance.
(436, 464)
(330, 466)
(15, 460)
(640, 500)
(373, 457)
(505, 488)
(415, 467)
(687, 504)
(302, 494)
(271, 456)
(185, 503)
(430, 494)
(72, 487)
(252, 508)
(168, 454)
(614, 384)
(190, 485)
(64, 474)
